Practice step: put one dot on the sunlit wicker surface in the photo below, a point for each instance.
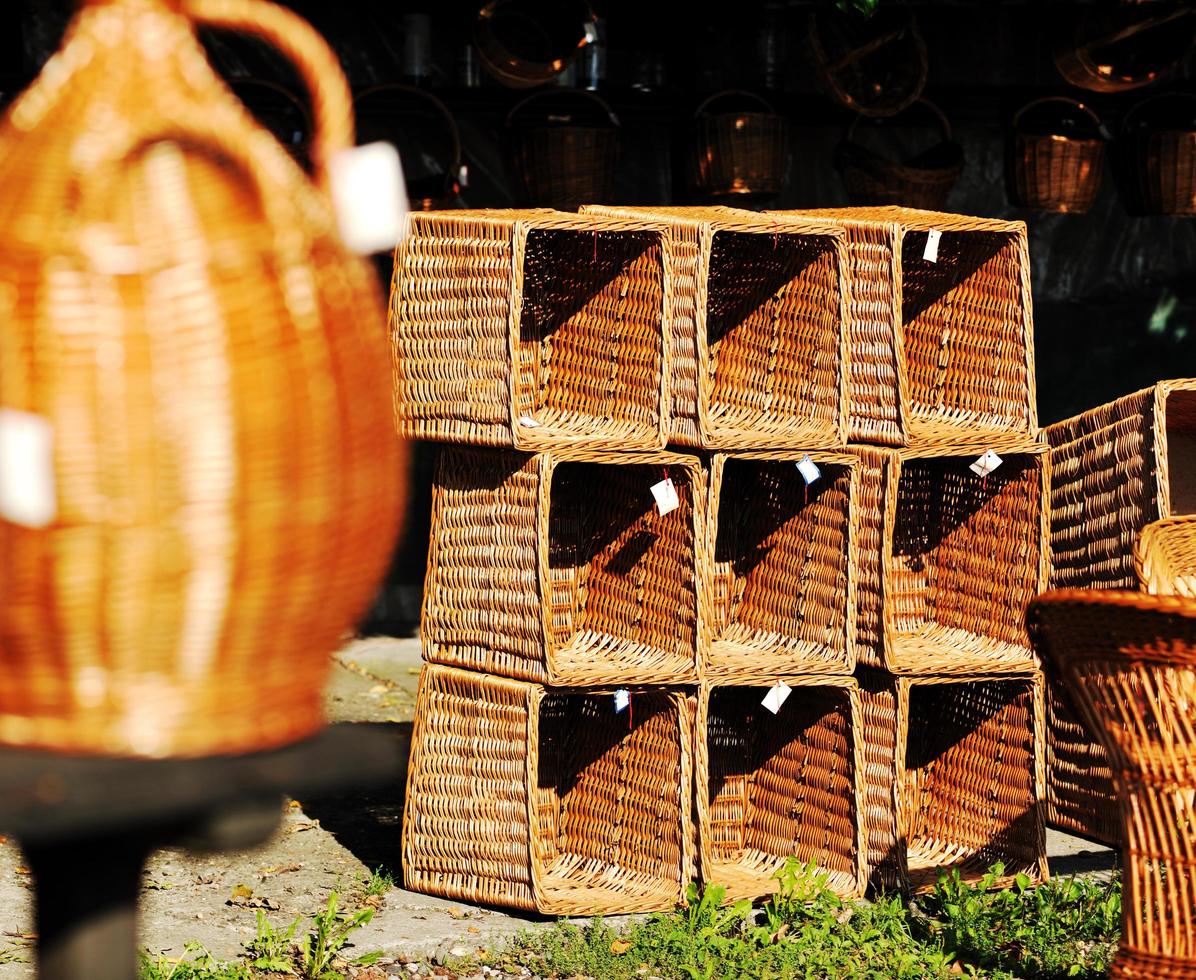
(531, 329)
(759, 307)
(176, 303)
(783, 554)
(546, 799)
(1165, 557)
(559, 568)
(770, 787)
(1129, 661)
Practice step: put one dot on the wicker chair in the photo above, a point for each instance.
(1129, 662)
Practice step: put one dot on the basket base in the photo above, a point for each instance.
(749, 873)
(927, 859)
(574, 885)
(599, 658)
(936, 649)
(731, 660)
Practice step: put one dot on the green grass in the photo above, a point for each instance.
(379, 882)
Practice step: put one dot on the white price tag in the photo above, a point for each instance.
(528, 422)
(370, 197)
(622, 700)
(776, 696)
(808, 469)
(666, 497)
(27, 492)
(985, 464)
(931, 252)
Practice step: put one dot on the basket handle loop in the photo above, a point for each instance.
(1158, 96)
(1061, 99)
(944, 124)
(547, 93)
(317, 66)
(734, 91)
(435, 103)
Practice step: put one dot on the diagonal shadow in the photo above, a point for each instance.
(961, 254)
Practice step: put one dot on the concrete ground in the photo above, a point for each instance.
(327, 845)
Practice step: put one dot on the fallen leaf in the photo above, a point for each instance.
(620, 946)
(294, 804)
(241, 893)
(22, 870)
(204, 879)
(373, 901)
(475, 930)
(379, 689)
(459, 913)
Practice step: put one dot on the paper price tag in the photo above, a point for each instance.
(528, 422)
(931, 252)
(666, 497)
(776, 696)
(370, 197)
(808, 469)
(985, 464)
(27, 492)
(622, 700)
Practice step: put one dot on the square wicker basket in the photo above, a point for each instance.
(547, 800)
(559, 568)
(954, 334)
(783, 559)
(759, 333)
(531, 329)
(965, 761)
(770, 787)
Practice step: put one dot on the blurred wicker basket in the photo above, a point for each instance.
(1165, 557)
(949, 560)
(950, 341)
(921, 181)
(567, 155)
(966, 768)
(1123, 46)
(531, 328)
(524, 43)
(546, 799)
(203, 356)
(1129, 661)
(772, 787)
(739, 154)
(782, 586)
(758, 327)
(1055, 166)
(1155, 159)
(560, 568)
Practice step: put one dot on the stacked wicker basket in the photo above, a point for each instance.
(608, 625)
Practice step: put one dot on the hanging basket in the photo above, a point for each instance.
(923, 181)
(1124, 46)
(524, 43)
(739, 153)
(1055, 161)
(563, 149)
(1155, 156)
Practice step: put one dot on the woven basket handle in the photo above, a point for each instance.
(318, 67)
(1125, 120)
(435, 103)
(743, 93)
(547, 93)
(1062, 100)
(944, 125)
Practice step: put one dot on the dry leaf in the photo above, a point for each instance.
(475, 930)
(459, 913)
(620, 946)
(22, 870)
(379, 689)
(241, 893)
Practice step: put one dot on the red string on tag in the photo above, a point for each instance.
(630, 701)
(776, 234)
(595, 246)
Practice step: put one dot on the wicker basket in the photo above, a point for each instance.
(1165, 557)
(771, 787)
(949, 343)
(1123, 46)
(739, 155)
(1130, 662)
(1056, 165)
(782, 587)
(197, 355)
(525, 43)
(546, 799)
(966, 767)
(1155, 159)
(759, 327)
(561, 569)
(566, 155)
(923, 181)
(949, 560)
(532, 329)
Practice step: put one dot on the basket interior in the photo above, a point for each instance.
(965, 335)
(609, 825)
(772, 331)
(779, 786)
(969, 788)
(1180, 409)
(622, 577)
(781, 566)
(964, 561)
(590, 353)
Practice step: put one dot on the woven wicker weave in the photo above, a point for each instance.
(782, 585)
(531, 329)
(759, 325)
(1130, 662)
(560, 569)
(177, 305)
(968, 767)
(1165, 557)
(546, 799)
(1050, 166)
(949, 560)
(964, 350)
(771, 787)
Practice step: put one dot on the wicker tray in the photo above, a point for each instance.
(759, 327)
(770, 787)
(558, 568)
(967, 764)
(547, 800)
(531, 329)
(1165, 557)
(950, 560)
(782, 583)
(960, 328)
